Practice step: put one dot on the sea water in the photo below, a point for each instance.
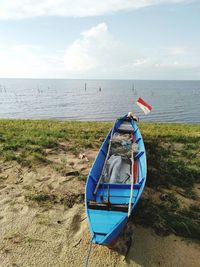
(99, 100)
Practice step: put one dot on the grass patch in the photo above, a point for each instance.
(41, 198)
(164, 218)
(29, 139)
(48, 199)
(193, 212)
(170, 201)
(190, 193)
(172, 153)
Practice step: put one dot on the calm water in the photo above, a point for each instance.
(172, 101)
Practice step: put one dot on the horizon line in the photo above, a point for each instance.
(103, 79)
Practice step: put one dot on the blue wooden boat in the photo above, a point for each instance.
(109, 205)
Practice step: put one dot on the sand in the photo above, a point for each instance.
(54, 231)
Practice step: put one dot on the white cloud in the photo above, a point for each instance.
(97, 51)
(79, 56)
(19, 9)
(27, 61)
(97, 54)
(178, 51)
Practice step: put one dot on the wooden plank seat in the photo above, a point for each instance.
(107, 206)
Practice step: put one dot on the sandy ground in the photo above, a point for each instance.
(55, 233)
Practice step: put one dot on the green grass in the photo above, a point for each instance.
(50, 199)
(26, 141)
(173, 153)
(167, 218)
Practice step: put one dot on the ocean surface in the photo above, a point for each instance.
(99, 100)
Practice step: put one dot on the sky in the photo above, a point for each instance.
(100, 39)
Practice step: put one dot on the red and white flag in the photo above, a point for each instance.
(143, 105)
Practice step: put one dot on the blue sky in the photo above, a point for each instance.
(112, 39)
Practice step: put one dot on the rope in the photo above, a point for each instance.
(89, 251)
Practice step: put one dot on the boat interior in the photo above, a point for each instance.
(113, 193)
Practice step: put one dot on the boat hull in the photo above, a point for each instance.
(106, 221)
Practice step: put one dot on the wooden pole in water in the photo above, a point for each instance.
(133, 87)
(85, 86)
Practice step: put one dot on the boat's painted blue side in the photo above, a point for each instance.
(106, 225)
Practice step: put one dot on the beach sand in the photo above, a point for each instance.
(43, 222)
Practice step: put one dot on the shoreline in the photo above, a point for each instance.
(96, 121)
